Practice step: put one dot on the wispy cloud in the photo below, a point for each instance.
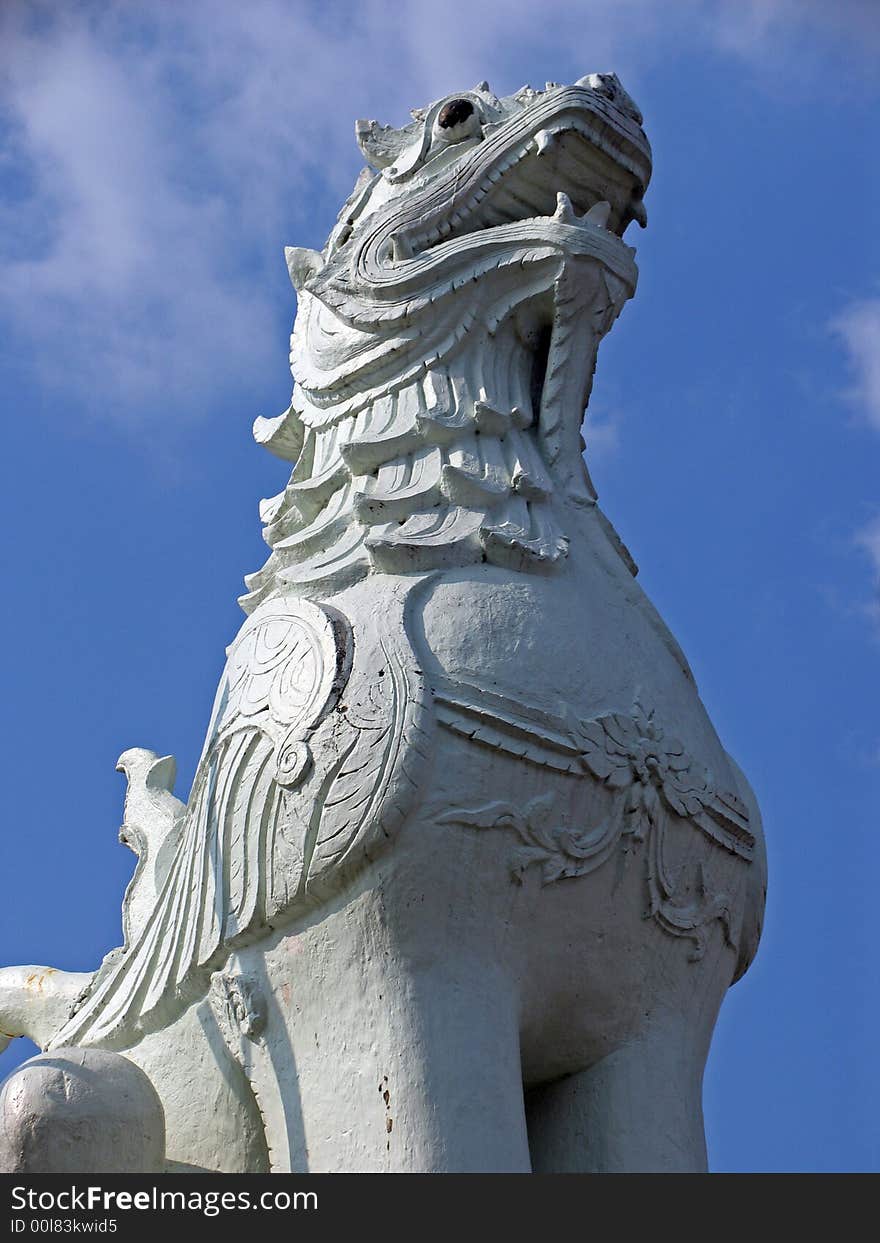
(159, 156)
(858, 326)
(602, 434)
(787, 29)
(868, 540)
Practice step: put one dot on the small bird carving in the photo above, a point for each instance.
(153, 818)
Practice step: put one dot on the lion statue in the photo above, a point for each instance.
(465, 872)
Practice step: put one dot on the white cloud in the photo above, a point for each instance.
(602, 435)
(868, 540)
(754, 28)
(858, 326)
(161, 155)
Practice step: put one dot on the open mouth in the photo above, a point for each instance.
(573, 164)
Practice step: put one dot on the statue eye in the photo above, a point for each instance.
(455, 112)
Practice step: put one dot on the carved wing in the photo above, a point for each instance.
(369, 754)
(293, 788)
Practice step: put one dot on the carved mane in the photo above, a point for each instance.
(446, 338)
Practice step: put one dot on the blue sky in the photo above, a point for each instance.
(154, 160)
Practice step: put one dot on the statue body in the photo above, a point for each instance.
(465, 871)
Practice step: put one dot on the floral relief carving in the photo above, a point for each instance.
(653, 778)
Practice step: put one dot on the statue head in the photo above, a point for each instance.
(463, 290)
(471, 162)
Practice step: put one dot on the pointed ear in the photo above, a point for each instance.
(302, 264)
(382, 144)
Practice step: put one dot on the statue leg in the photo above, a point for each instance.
(638, 1110)
(398, 1067)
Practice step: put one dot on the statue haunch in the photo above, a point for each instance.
(465, 872)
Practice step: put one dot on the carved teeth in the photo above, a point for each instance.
(598, 214)
(544, 140)
(564, 210)
(401, 247)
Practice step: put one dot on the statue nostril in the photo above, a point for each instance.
(454, 113)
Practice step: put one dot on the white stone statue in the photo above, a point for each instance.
(465, 872)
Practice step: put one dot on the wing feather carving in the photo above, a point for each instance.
(311, 762)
